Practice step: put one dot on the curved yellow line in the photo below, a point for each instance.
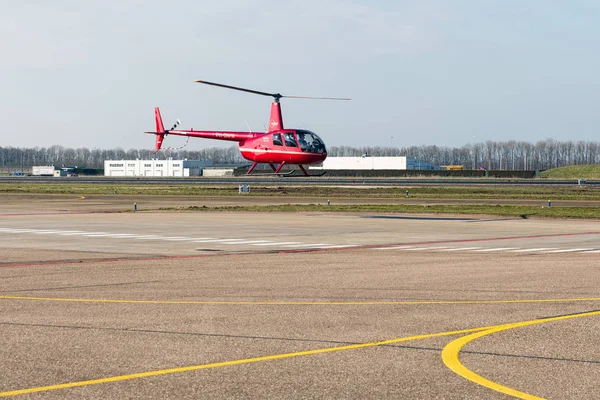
(451, 351)
(229, 363)
(300, 303)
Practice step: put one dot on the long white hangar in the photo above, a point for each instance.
(155, 167)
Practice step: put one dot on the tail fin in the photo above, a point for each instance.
(160, 129)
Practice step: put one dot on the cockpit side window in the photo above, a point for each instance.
(310, 142)
(277, 139)
(290, 140)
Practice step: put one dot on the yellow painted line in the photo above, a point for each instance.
(230, 363)
(301, 303)
(451, 351)
(81, 197)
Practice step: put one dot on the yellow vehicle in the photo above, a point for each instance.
(452, 167)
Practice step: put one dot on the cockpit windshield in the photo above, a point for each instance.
(310, 142)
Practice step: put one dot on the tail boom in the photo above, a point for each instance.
(160, 133)
(218, 135)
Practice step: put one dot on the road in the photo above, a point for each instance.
(296, 305)
(299, 180)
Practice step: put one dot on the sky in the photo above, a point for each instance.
(430, 72)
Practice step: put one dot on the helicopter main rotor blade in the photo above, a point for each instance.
(277, 96)
(316, 98)
(238, 88)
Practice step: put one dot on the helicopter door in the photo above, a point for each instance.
(290, 139)
(277, 139)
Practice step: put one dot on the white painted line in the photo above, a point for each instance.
(417, 248)
(565, 251)
(248, 242)
(219, 240)
(275, 243)
(114, 235)
(534, 250)
(180, 238)
(336, 246)
(18, 230)
(119, 235)
(497, 249)
(592, 251)
(395, 248)
(462, 248)
(438, 248)
(307, 245)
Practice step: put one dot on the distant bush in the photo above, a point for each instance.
(511, 174)
(90, 171)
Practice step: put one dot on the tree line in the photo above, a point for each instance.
(491, 155)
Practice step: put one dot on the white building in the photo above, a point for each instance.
(154, 167)
(51, 170)
(367, 163)
(42, 170)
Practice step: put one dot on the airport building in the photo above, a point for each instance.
(369, 163)
(51, 170)
(167, 167)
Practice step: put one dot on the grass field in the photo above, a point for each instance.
(542, 193)
(573, 172)
(492, 210)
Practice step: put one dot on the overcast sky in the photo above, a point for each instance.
(445, 72)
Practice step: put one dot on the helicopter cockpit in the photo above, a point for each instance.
(309, 142)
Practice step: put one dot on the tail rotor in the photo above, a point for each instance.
(160, 128)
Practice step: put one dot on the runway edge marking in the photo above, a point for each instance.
(451, 352)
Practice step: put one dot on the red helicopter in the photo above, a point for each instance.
(276, 146)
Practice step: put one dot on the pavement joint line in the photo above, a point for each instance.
(275, 243)
(249, 242)
(301, 303)
(337, 246)
(532, 250)
(220, 240)
(566, 315)
(306, 245)
(565, 251)
(159, 257)
(487, 353)
(496, 249)
(450, 353)
(233, 362)
(551, 235)
(462, 249)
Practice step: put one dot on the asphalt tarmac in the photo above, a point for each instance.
(294, 305)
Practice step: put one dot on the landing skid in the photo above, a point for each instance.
(287, 173)
(308, 175)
